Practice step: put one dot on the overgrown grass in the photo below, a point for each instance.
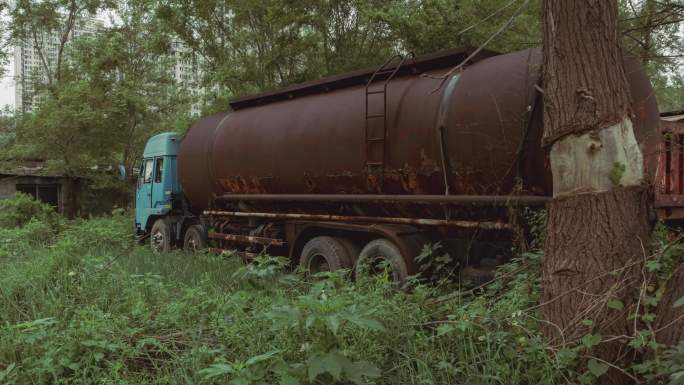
(85, 305)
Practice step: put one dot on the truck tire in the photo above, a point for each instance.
(195, 239)
(353, 249)
(378, 252)
(324, 254)
(160, 236)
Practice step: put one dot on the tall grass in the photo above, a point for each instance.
(83, 304)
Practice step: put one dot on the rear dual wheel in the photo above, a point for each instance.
(195, 238)
(326, 253)
(162, 241)
(382, 255)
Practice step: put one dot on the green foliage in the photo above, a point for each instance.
(617, 173)
(99, 309)
(22, 209)
(104, 96)
(651, 32)
(536, 220)
(427, 26)
(436, 265)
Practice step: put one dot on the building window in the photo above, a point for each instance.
(47, 193)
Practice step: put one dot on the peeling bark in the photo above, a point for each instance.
(597, 161)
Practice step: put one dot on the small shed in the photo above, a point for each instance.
(32, 177)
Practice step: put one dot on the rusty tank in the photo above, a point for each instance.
(415, 128)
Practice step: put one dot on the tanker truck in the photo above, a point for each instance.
(368, 166)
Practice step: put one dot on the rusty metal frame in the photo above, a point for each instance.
(485, 225)
(248, 239)
(463, 200)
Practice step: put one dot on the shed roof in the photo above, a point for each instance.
(26, 168)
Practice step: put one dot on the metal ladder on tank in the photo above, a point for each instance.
(377, 166)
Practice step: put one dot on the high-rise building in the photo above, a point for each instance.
(186, 67)
(32, 56)
(29, 65)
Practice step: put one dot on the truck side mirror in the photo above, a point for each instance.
(122, 172)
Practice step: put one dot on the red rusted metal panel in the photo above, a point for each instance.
(669, 186)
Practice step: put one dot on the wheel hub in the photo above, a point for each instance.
(157, 240)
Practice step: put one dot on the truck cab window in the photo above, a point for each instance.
(158, 169)
(147, 171)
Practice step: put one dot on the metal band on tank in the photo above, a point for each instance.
(209, 150)
(441, 129)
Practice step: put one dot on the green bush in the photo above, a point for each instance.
(92, 307)
(22, 209)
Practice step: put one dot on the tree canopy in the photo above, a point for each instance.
(107, 92)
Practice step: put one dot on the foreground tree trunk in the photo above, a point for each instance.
(598, 229)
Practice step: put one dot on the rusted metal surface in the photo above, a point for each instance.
(485, 225)
(435, 60)
(670, 213)
(247, 239)
(669, 187)
(487, 200)
(314, 143)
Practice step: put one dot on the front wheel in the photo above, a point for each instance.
(160, 237)
(195, 239)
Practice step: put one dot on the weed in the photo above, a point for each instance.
(88, 306)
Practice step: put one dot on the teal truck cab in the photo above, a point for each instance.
(158, 192)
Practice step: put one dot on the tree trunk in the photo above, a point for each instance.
(71, 190)
(598, 228)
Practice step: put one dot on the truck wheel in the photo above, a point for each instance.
(195, 239)
(160, 237)
(353, 249)
(325, 254)
(378, 255)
